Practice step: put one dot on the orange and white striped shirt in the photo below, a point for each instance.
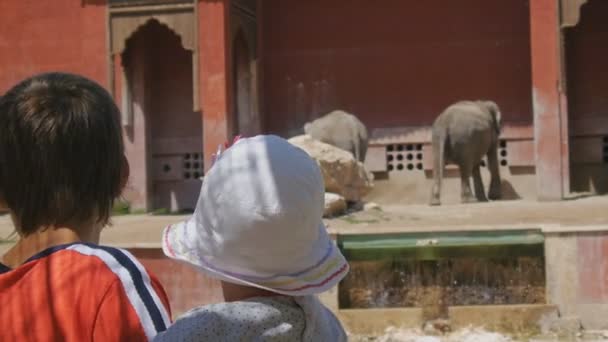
(81, 292)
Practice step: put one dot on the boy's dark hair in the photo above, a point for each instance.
(61, 151)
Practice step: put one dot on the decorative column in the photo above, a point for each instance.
(549, 101)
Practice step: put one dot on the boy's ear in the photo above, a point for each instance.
(126, 171)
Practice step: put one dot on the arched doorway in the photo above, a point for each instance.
(164, 146)
(586, 53)
(244, 117)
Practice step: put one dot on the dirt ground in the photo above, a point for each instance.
(585, 214)
(125, 231)
(570, 215)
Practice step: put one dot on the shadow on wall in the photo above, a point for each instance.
(93, 2)
(175, 197)
(589, 178)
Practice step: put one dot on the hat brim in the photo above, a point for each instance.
(326, 269)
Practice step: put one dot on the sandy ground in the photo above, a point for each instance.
(125, 231)
(586, 214)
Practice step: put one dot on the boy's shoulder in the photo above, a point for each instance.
(97, 284)
(113, 262)
(83, 258)
(82, 264)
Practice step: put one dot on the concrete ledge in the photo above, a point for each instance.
(376, 321)
(594, 316)
(503, 318)
(544, 228)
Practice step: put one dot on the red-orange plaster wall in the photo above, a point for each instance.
(59, 35)
(395, 64)
(550, 112)
(213, 72)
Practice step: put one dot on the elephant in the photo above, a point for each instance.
(463, 134)
(342, 130)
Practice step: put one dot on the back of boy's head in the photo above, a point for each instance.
(61, 152)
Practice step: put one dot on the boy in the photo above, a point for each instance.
(257, 227)
(62, 165)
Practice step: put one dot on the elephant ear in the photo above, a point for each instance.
(496, 115)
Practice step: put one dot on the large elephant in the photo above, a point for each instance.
(463, 134)
(342, 130)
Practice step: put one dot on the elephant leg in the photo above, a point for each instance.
(355, 148)
(480, 193)
(354, 142)
(438, 167)
(466, 195)
(436, 191)
(362, 149)
(495, 186)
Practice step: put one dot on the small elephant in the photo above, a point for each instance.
(463, 134)
(342, 130)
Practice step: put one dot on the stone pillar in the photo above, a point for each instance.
(136, 135)
(259, 66)
(550, 109)
(213, 35)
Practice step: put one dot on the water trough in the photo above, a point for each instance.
(494, 279)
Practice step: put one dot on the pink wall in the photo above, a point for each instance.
(58, 35)
(593, 268)
(398, 63)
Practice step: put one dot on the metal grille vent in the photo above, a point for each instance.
(404, 157)
(193, 165)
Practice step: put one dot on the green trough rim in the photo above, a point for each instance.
(441, 245)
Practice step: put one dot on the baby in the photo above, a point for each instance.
(257, 228)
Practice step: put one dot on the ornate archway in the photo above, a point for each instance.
(126, 17)
(570, 12)
(242, 86)
(163, 134)
(244, 70)
(585, 53)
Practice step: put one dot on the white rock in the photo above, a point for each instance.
(342, 174)
(428, 339)
(371, 206)
(334, 205)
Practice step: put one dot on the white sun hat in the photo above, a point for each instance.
(258, 221)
